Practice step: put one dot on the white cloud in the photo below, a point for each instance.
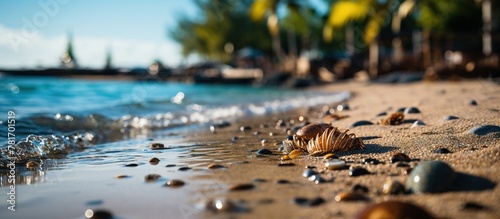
(20, 49)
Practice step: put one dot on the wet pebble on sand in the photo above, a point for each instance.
(98, 214)
(399, 157)
(430, 177)
(393, 187)
(151, 177)
(174, 183)
(154, 161)
(411, 110)
(335, 164)
(442, 151)
(449, 118)
(485, 130)
(308, 202)
(417, 123)
(241, 187)
(264, 152)
(361, 123)
(156, 146)
(358, 171)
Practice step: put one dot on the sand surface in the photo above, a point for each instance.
(67, 189)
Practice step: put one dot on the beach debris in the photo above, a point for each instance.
(350, 196)
(394, 210)
(151, 177)
(330, 156)
(241, 187)
(154, 161)
(174, 183)
(308, 202)
(473, 103)
(393, 187)
(131, 165)
(361, 123)
(215, 166)
(308, 173)
(411, 110)
(32, 165)
(156, 146)
(430, 177)
(485, 130)
(264, 152)
(381, 114)
(394, 119)
(442, 151)
(399, 157)
(98, 214)
(417, 123)
(449, 118)
(372, 161)
(184, 168)
(322, 138)
(122, 176)
(358, 171)
(335, 164)
(360, 188)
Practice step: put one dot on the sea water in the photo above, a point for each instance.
(55, 116)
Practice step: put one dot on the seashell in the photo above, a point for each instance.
(326, 139)
(334, 140)
(296, 153)
(394, 119)
(394, 210)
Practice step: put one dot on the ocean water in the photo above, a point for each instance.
(56, 116)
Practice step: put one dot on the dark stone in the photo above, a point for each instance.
(184, 168)
(131, 165)
(431, 177)
(170, 165)
(361, 123)
(245, 128)
(381, 114)
(448, 118)
(473, 103)
(358, 171)
(264, 152)
(360, 188)
(282, 181)
(401, 109)
(259, 180)
(241, 187)
(399, 157)
(371, 161)
(411, 110)
(472, 206)
(485, 130)
(442, 151)
(98, 214)
(286, 164)
(309, 202)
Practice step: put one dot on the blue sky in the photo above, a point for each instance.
(34, 32)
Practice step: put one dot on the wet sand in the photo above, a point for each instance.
(67, 189)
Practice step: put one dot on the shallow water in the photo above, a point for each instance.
(57, 116)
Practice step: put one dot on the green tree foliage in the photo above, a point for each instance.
(220, 22)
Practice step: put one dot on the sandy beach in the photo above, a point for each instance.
(270, 189)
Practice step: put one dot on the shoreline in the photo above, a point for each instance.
(276, 187)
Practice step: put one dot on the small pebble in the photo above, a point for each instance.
(393, 187)
(308, 173)
(484, 130)
(174, 183)
(234, 138)
(335, 164)
(131, 165)
(317, 179)
(361, 123)
(394, 210)
(372, 161)
(282, 181)
(264, 152)
(343, 107)
(241, 187)
(170, 165)
(156, 146)
(256, 133)
(286, 164)
(399, 157)
(360, 188)
(442, 151)
(358, 171)
(154, 161)
(245, 128)
(401, 109)
(122, 176)
(417, 123)
(330, 156)
(223, 205)
(473, 103)
(259, 180)
(308, 202)
(184, 168)
(411, 110)
(472, 206)
(350, 196)
(215, 166)
(448, 118)
(151, 177)
(430, 177)
(381, 114)
(310, 167)
(98, 214)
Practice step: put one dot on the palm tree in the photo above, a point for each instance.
(374, 13)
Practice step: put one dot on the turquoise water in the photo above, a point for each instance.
(60, 114)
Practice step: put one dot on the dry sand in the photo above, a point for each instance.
(67, 190)
(478, 156)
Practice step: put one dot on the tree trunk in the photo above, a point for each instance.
(486, 6)
(398, 52)
(373, 59)
(426, 49)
